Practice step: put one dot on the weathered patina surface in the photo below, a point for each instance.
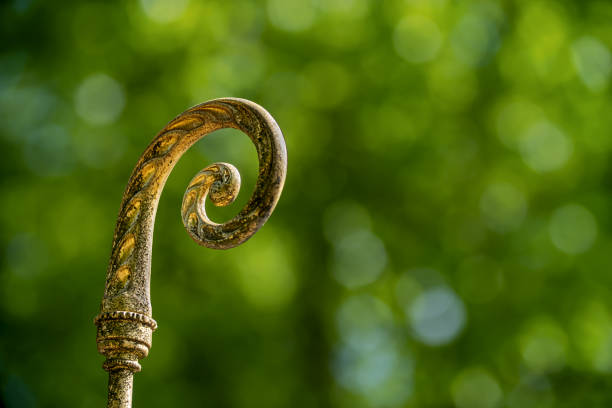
(125, 325)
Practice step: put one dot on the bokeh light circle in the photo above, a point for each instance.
(291, 15)
(364, 322)
(164, 11)
(358, 259)
(474, 38)
(544, 345)
(593, 62)
(476, 388)
(573, 229)
(99, 99)
(417, 39)
(544, 147)
(514, 118)
(437, 316)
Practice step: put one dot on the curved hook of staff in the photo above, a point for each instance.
(125, 324)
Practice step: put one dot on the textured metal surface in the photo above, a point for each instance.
(125, 325)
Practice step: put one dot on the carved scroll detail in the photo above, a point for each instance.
(125, 324)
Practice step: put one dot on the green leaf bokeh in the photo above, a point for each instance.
(443, 238)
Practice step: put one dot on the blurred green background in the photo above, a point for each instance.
(444, 234)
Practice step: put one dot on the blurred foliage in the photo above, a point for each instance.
(443, 238)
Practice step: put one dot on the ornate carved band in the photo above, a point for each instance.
(123, 315)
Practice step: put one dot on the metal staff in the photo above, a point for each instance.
(125, 325)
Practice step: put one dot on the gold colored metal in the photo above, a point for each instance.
(125, 325)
